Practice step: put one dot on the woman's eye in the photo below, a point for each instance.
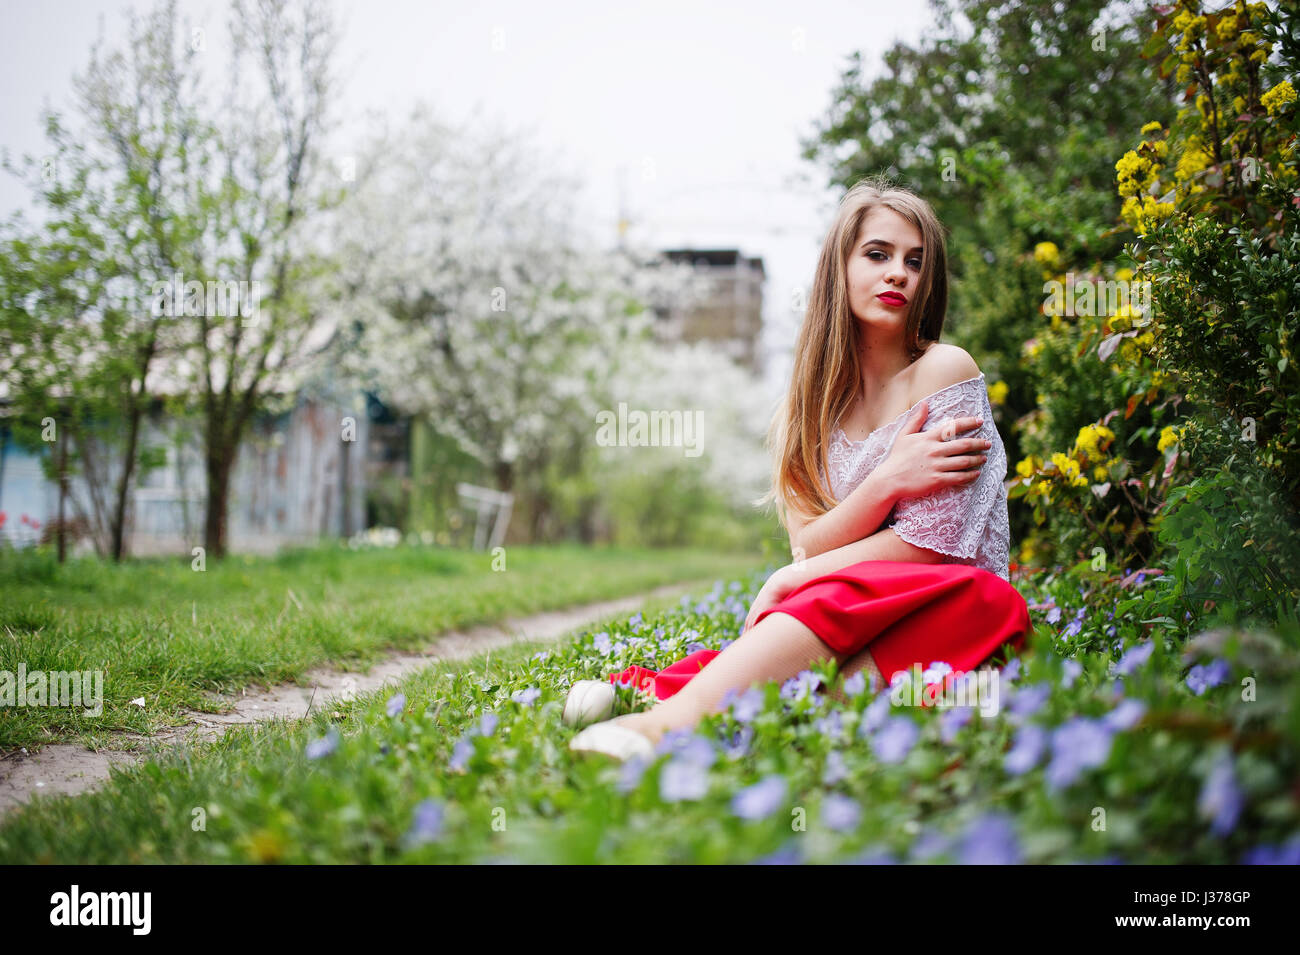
(917, 261)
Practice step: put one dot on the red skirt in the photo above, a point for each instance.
(905, 613)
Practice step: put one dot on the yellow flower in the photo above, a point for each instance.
(1169, 436)
(1193, 160)
(1048, 256)
(1227, 29)
(1090, 439)
(1029, 465)
(1124, 275)
(1159, 379)
(1026, 551)
(1099, 473)
(1184, 75)
(1150, 127)
(1277, 98)
(998, 392)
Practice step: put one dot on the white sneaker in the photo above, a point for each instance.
(613, 740)
(590, 701)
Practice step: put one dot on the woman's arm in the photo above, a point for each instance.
(856, 517)
(882, 545)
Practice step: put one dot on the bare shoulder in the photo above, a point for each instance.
(941, 365)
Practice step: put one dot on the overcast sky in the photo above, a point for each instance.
(685, 114)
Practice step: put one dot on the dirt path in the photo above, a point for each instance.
(70, 768)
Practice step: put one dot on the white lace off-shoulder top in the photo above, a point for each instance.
(967, 522)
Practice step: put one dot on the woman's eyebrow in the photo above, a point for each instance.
(886, 242)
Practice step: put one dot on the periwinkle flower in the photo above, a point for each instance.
(634, 621)
(990, 840)
(855, 684)
(745, 706)
(800, 685)
(874, 715)
(1110, 631)
(895, 739)
(1134, 657)
(840, 813)
(1221, 800)
(427, 825)
(695, 647)
(1075, 625)
(930, 844)
(1077, 744)
(1071, 671)
(602, 643)
(832, 725)
(738, 745)
(683, 779)
(1026, 751)
(953, 720)
(1012, 670)
(1029, 700)
(487, 724)
(324, 746)
(874, 855)
(630, 773)
(835, 770)
(1286, 854)
(396, 703)
(1054, 615)
(787, 855)
(461, 753)
(687, 745)
(759, 800)
(1205, 675)
(527, 696)
(1125, 716)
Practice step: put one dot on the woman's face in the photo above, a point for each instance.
(885, 260)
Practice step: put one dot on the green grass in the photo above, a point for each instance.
(158, 629)
(511, 790)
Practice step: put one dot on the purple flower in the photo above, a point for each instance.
(738, 745)
(1205, 675)
(683, 779)
(832, 725)
(800, 685)
(1072, 669)
(990, 840)
(929, 845)
(526, 697)
(1286, 854)
(427, 826)
(542, 655)
(630, 773)
(759, 800)
(657, 633)
(855, 684)
(1076, 624)
(745, 706)
(695, 647)
(395, 704)
(1054, 615)
(1221, 799)
(786, 855)
(1134, 657)
(634, 621)
(320, 748)
(1125, 716)
(1026, 751)
(835, 770)
(687, 745)
(1029, 700)
(893, 741)
(875, 856)
(1110, 631)
(1077, 744)
(461, 753)
(874, 715)
(953, 720)
(1012, 670)
(840, 813)
(487, 724)
(1140, 577)
(602, 643)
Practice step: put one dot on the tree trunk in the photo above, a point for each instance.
(118, 517)
(63, 496)
(220, 465)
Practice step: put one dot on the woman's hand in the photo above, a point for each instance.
(773, 592)
(922, 462)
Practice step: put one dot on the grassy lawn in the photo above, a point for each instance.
(160, 630)
(1109, 746)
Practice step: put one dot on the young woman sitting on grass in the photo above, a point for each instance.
(887, 475)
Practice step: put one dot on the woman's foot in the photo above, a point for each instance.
(615, 738)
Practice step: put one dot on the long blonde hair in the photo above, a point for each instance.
(827, 373)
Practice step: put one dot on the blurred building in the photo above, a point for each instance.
(729, 308)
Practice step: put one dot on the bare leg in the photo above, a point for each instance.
(777, 648)
(863, 660)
